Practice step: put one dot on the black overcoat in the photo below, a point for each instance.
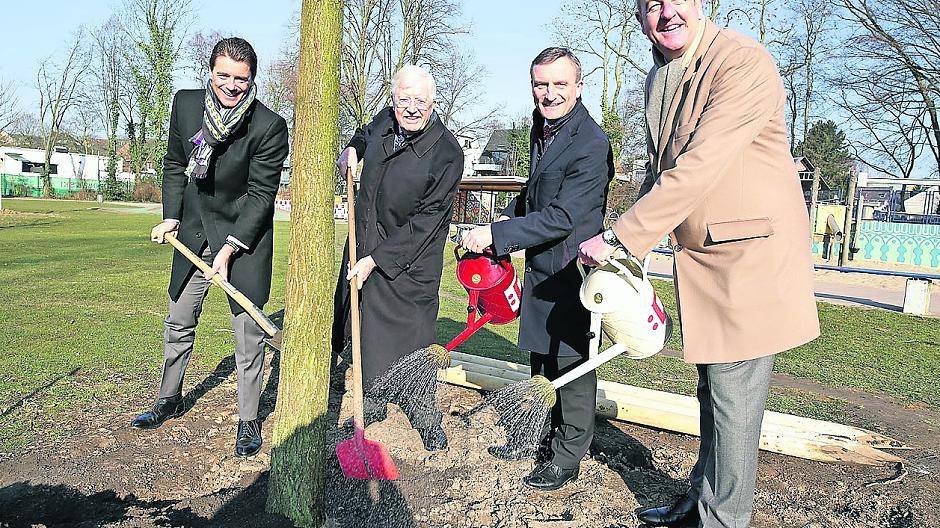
(236, 197)
(403, 210)
(561, 206)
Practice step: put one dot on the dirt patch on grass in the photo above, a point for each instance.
(10, 218)
(103, 473)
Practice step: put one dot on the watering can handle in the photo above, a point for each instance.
(642, 266)
(488, 252)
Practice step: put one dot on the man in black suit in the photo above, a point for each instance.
(220, 176)
(561, 206)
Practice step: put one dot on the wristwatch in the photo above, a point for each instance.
(610, 238)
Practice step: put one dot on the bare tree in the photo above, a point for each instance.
(381, 36)
(803, 53)
(108, 87)
(58, 95)
(893, 89)
(363, 88)
(9, 105)
(155, 29)
(613, 49)
(197, 51)
(279, 88)
(460, 83)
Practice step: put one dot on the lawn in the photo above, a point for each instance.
(84, 295)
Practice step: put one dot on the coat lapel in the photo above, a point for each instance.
(666, 130)
(562, 141)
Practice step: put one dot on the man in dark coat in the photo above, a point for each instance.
(412, 167)
(221, 173)
(562, 205)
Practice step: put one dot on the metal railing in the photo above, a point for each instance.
(902, 206)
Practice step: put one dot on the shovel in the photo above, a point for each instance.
(358, 457)
(274, 333)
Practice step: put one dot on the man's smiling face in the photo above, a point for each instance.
(556, 87)
(670, 24)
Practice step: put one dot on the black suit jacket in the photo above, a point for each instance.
(561, 206)
(403, 210)
(236, 197)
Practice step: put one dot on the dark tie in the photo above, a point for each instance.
(547, 132)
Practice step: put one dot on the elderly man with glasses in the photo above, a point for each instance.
(411, 168)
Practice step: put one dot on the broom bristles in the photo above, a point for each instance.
(542, 391)
(439, 355)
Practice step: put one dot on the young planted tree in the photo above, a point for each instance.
(58, 95)
(298, 461)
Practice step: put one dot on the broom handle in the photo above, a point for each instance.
(354, 304)
(263, 321)
(589, 365)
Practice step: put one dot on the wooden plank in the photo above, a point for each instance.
(781, 433)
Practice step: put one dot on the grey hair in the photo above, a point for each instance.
(550, 55)
(416, 71)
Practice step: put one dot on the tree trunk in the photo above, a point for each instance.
(299, 458)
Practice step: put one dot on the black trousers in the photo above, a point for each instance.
(572, 417)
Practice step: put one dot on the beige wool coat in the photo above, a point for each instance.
(727, 193)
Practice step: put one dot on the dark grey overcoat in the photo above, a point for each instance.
(403, 210)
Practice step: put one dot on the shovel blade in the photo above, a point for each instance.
(275, 341)
(364, 459)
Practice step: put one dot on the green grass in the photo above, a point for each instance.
(84, 295)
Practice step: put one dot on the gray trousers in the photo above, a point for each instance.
(180, 333)
(731, 401)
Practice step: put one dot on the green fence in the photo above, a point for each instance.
(902, 243)
(31, 185)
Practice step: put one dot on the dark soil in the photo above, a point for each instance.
(101, 472)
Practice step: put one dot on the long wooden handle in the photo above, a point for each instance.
(263, 321)
(354, 303)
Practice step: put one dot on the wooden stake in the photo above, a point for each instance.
(781, 433)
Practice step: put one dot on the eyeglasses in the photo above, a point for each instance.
(420, 104)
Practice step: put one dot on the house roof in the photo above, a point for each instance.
(499, 140)
(803, 164)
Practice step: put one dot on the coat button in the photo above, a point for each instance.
(198, 235)
(528, 269)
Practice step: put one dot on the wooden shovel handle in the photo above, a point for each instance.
(354, 304)
(263, 321)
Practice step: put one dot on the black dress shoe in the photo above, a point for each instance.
(548, 477)
(683, 513)
(163, 410)
(248, 439)
(434, 438)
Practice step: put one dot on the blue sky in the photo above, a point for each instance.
(504, 35)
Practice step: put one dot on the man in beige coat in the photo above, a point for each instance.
(721, 182)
